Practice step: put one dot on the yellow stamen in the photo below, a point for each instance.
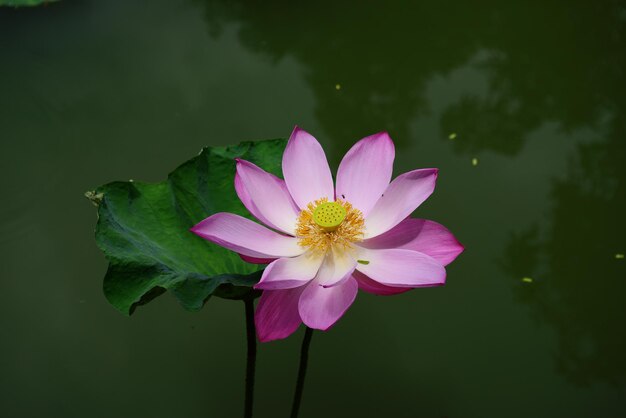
(325, 225)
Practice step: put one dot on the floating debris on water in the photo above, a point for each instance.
(474, 161)
(527, 279)
(337, 86)
(619, 256)
(452, 135)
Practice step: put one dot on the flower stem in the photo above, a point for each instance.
(304, 357)
(251, 360)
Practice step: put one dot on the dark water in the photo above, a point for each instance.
(97, 91)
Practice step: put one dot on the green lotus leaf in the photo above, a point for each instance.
(143, 230)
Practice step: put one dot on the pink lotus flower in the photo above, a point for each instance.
(328, 241)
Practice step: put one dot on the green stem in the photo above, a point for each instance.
(304, 358)
(251, 360)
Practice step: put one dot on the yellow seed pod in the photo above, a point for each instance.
(329, 215)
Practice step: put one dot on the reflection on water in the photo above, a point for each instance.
(565, 69)
(579, 283)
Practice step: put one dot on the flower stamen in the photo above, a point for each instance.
(325, 225)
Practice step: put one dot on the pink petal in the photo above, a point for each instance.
(306, 169)
(365, 171)
(401, 268)
(245, 198)
(246, 237)
(320, 307)
(402, 197)
(270, 199)
(276, 314)
(253, 260)
(371, 286)
(337, 267)
(421, 235)
(287, 273)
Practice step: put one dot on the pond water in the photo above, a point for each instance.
(521, 106)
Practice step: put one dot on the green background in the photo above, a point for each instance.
(92, 92)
